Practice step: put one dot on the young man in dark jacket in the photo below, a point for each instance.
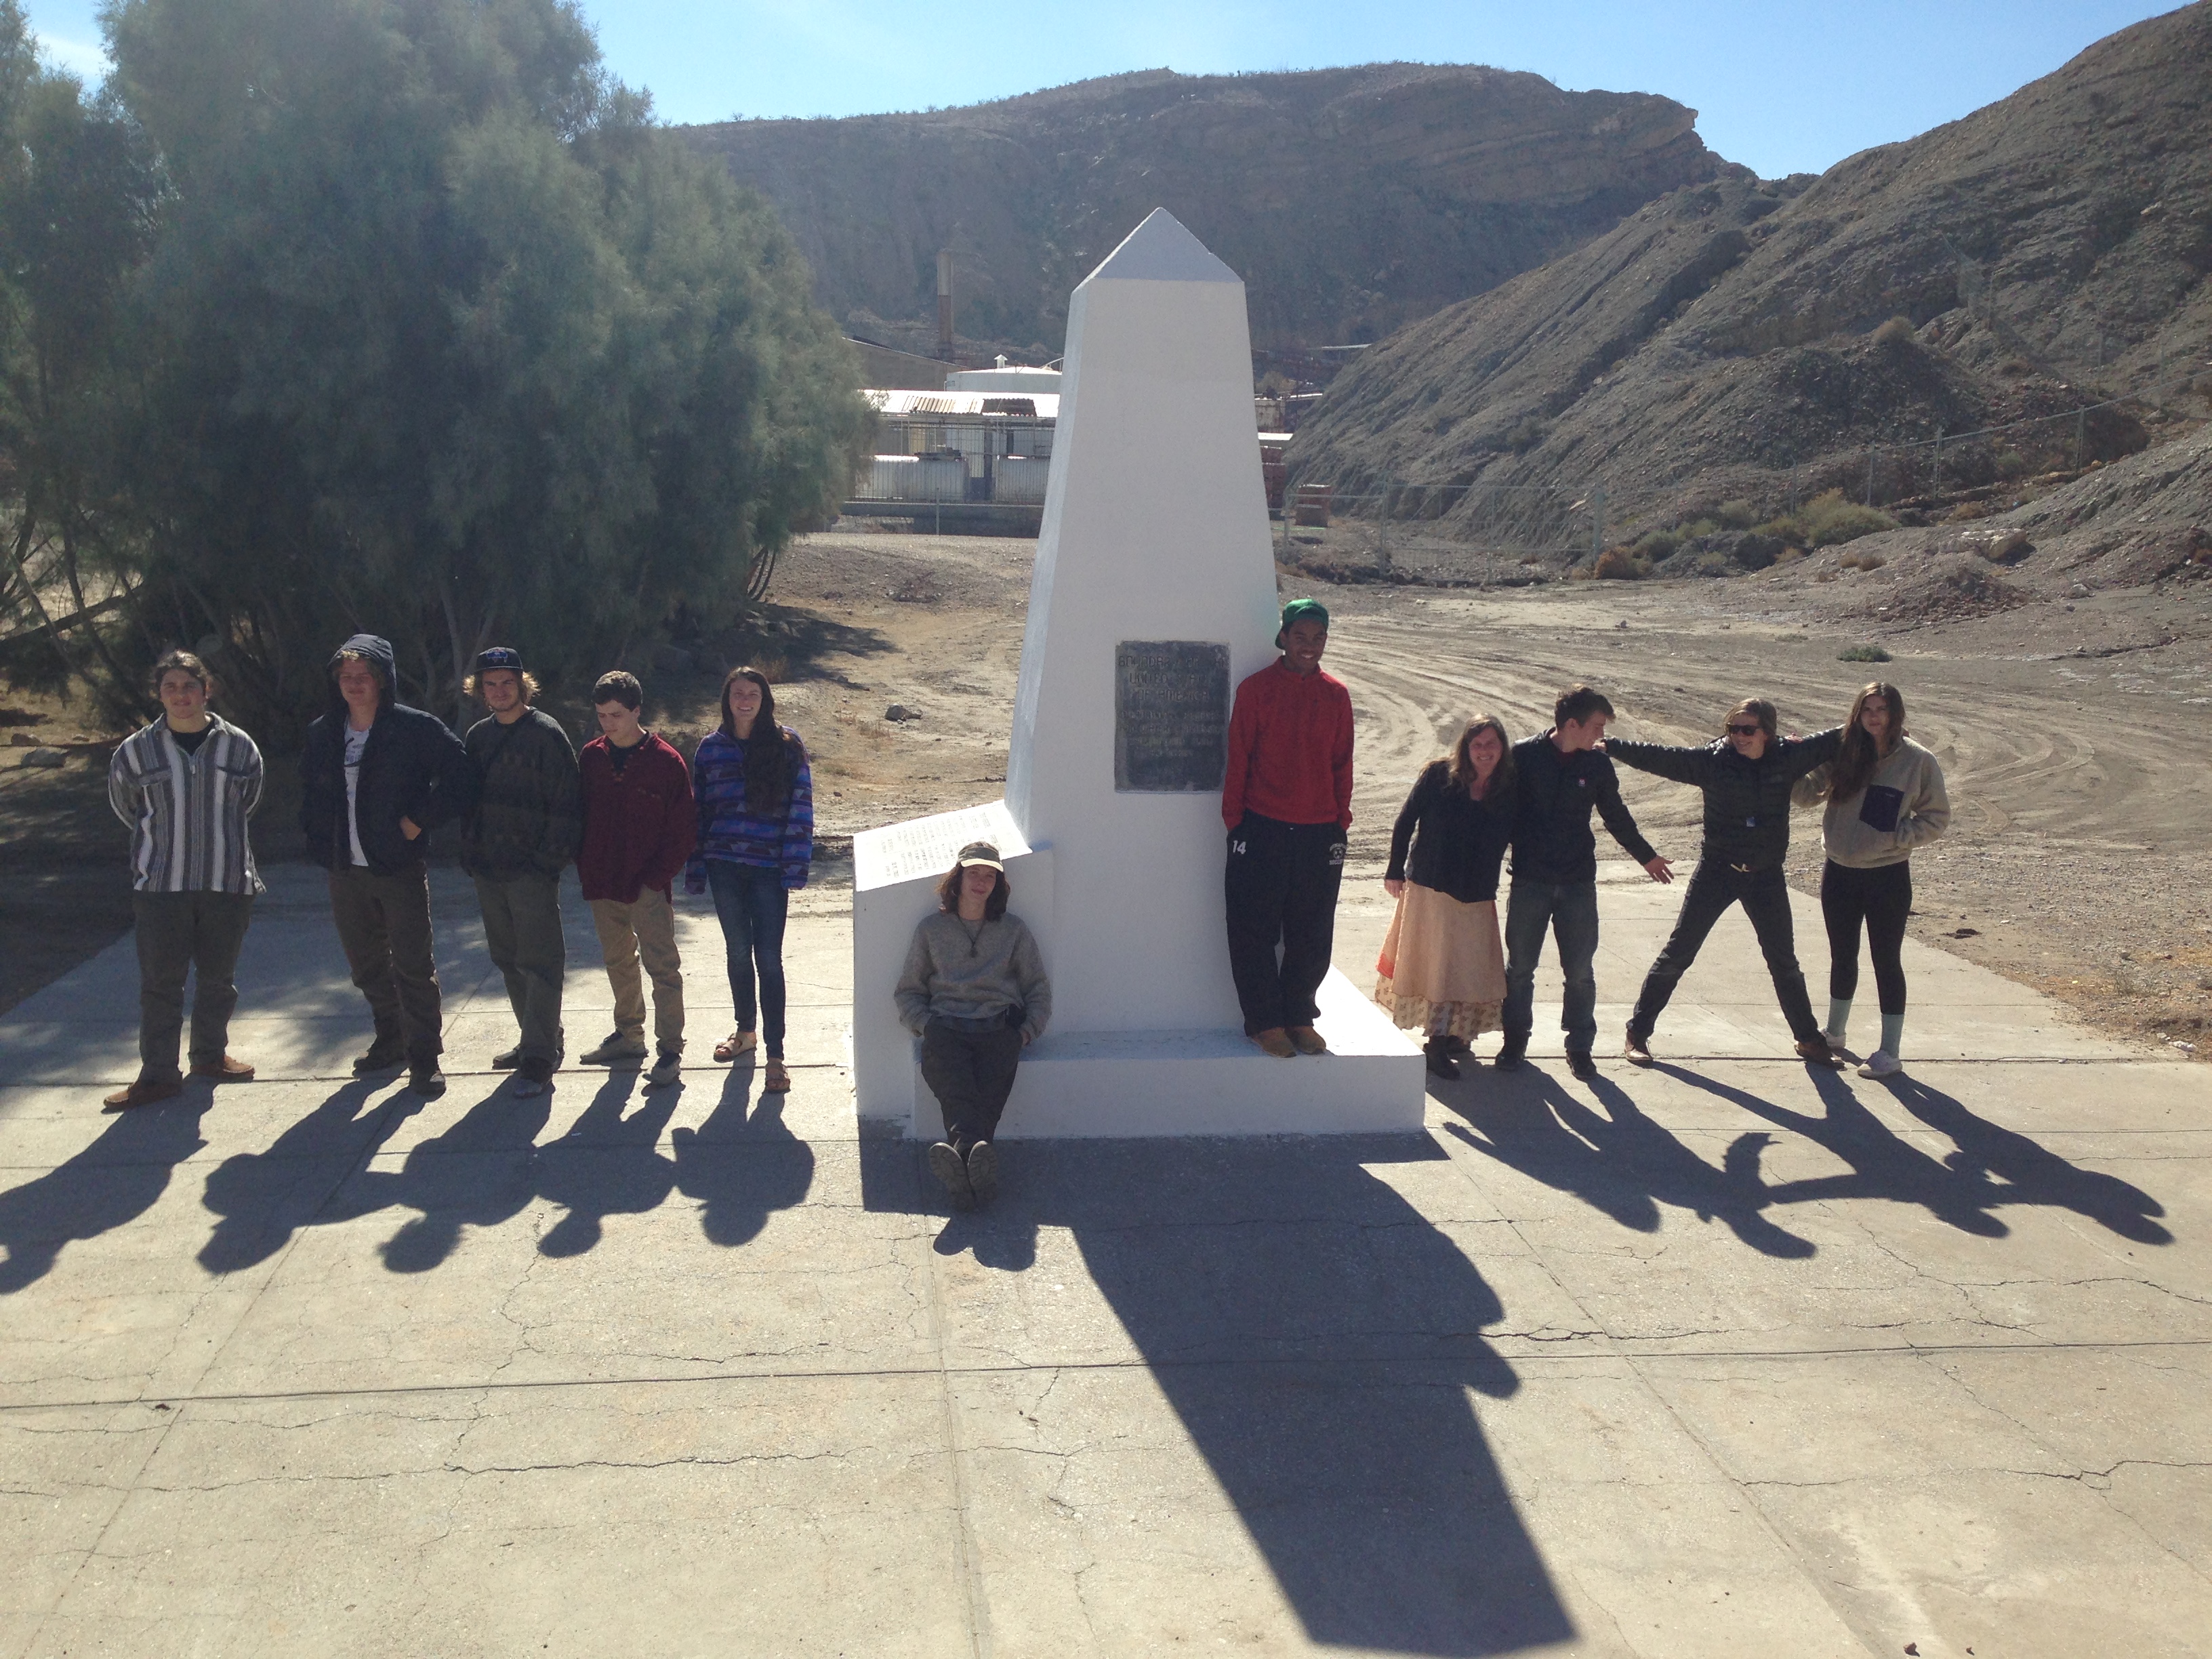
(639, 824)
(528, 821)
(1747, 777)
(1560, 777)
(1286, 798)
(377, 777)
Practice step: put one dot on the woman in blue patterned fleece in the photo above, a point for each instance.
(756, 797)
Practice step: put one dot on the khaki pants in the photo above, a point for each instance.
(645, 929)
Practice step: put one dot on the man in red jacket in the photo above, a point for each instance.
(1287, 801)
(639, 826)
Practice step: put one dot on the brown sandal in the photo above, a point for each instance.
(778, 1081)
(737, 1043)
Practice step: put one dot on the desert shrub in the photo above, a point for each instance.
(1618, 564)
(1897, 330)
(1738, 515)
(1754, 551)
(1714, 563)
(1862, 653)
(1829, 519)
(1658, 545)
(1862, 561)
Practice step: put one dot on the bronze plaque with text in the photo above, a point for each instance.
(1171, 715)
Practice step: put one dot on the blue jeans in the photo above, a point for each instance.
(1570, 910)
(751, 905)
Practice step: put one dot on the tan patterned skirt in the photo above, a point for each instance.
(1442, 967)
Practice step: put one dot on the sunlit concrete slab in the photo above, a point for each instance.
(1727, 1356)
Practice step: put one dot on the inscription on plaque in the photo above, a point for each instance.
(1171, 715)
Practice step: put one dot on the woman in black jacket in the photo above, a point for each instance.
(1443, 968)
(1747, 777)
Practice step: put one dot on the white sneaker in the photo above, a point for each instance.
(1881, 1063)
(1836, 1042)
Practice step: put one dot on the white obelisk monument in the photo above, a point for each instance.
(1153, 596)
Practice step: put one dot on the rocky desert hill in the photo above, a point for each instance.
(1744, 345)
(1355, 200)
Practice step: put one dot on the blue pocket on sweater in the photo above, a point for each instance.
(1880, 809)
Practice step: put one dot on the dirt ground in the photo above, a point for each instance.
(2070, 731)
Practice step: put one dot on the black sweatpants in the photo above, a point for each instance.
(1881, 898)
(1280, 885)
(1714, 886)
(971, 1073)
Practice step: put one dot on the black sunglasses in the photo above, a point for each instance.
(1744, 731)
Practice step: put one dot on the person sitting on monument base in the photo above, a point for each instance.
(1286, 799)
(973, 990)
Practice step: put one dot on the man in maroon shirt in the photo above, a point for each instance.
(1287, 801)
(639, 826)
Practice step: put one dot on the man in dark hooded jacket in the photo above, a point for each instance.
(377, 777)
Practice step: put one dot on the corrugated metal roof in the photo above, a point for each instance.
(893, 402)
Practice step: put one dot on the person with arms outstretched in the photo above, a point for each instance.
(1746, 776)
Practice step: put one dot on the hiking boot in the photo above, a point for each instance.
(1637, 1051)
(614, 1051)
(225, 1070)
(1439, 1056)
(1815, 1051)
(1277, 1042)
(427, 1080)
(1580, 1063)
(507, 1059)
(385, 1054)
(143, 1092)
(1306, 1040)
(983, 1170)
(1511, 1056)
(1881, 1063)
(667, 1067)
(948, 1167)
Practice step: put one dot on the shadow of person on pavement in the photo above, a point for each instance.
(2030, 1172)
(116, 1179)
(740, 1170)
(261, 1199)
(1618, 1162)
(606, 1165)
(1961, 1189)
(1318, 1337)
(477, 1174)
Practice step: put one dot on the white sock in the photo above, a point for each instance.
(1839, 1018)
(1892, 1034)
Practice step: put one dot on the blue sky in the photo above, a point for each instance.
(1780, 87)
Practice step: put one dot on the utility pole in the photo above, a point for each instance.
(1872, 451)
(1597, 523)
(1936, 488)
(2080, 430)
(1382, 527)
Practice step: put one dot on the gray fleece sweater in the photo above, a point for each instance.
(1903, 806)
(973, 970)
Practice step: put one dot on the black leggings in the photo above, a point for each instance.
(1881, 898)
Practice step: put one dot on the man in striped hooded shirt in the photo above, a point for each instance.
(186, 786)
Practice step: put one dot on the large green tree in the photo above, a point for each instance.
(443, 338)
(76, 200)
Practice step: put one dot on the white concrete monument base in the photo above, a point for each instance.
(1153, 596)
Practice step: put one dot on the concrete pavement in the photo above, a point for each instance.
(1724, 1357)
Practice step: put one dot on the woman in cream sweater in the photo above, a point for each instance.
(1885, 796)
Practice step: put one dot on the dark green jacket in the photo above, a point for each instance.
(529, 816)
